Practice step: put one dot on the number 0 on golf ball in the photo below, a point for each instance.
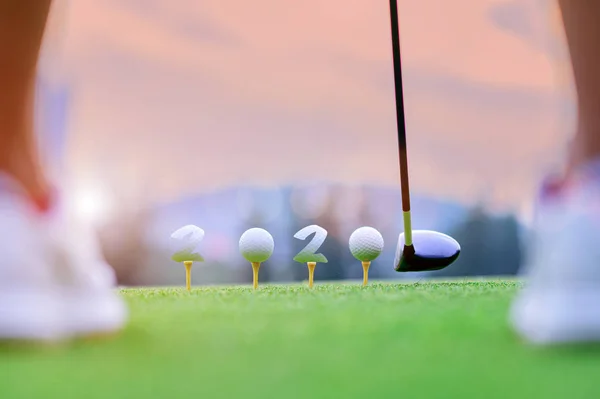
(366, 244)
(256, 245)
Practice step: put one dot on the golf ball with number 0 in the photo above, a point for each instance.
(256, 245)
(366, 244)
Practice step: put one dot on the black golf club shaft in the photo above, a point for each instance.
(400, 119)
(401, 126)
(436, 250)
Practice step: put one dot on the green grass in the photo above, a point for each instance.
(447, 339)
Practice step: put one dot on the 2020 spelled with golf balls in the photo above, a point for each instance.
(256, 245)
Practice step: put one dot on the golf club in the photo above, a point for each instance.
(418, 250)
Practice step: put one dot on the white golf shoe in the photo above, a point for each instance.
(560, 302)
(91, 308)
(31, 307)
(86, 282)
(54, 283)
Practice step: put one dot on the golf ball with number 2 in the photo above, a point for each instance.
(184, 243)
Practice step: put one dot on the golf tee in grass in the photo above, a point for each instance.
(366, 244)
(366, 265)
(311, 273)
(188, 274)
(255, 268)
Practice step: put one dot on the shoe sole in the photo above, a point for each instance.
(558, 317)
(95, 317)
(27, 317)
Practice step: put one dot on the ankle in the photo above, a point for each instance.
(584, 149)
(34, 186)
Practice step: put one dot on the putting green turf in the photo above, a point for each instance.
(447, 339)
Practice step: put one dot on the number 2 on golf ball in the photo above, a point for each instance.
(308, 254)
(185, 242)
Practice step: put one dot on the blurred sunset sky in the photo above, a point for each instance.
(176, 97)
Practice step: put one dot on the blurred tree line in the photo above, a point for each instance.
(491, 246)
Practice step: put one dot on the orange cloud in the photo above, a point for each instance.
(194, 96)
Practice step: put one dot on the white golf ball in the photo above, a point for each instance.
(366, 244)
(256, 245)
(184, 242)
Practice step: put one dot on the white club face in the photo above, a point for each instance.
(308, 254)
(185, 241)
(366, 244)
(399, 249)
(256, 245)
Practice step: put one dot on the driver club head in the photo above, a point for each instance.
(424, 250)
(429, 251)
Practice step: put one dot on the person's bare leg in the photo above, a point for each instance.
(54, 282)
(580, 19)
(560, 302)
(22, 24)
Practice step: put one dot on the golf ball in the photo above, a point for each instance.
(184, 242)
(366, 244)
(256, 245)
